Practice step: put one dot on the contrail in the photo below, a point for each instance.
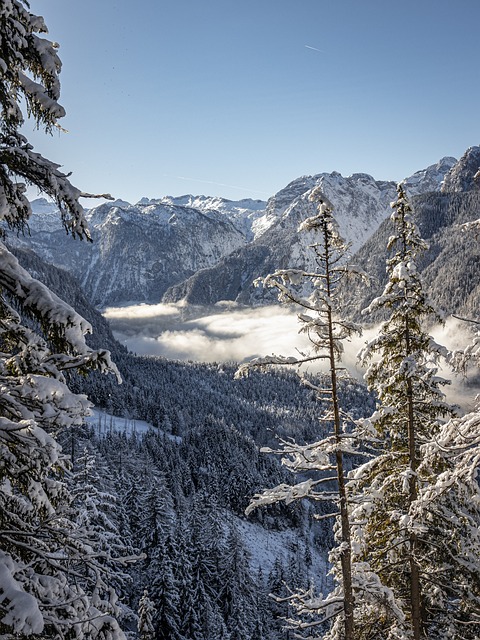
(314, 48)
(221, 184)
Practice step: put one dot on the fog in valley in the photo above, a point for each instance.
(228, 332)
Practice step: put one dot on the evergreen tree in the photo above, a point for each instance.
(95, 509)
(448, 511)
(146, 611)
(321, 320)
(42, 551)
(411, 406)
(156, 515)
(237, 595)
(164, 591)
(278, 605)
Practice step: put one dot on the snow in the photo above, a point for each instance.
(267, 545)
(243, 214)
(23, 615)
(37, 91)
(105, 423)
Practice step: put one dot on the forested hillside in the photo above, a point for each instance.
(198, 468)
(256, 500)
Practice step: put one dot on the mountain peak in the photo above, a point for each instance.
(461, 176)
(431, 178)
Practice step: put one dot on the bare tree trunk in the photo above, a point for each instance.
(415, 586)
(346, 555)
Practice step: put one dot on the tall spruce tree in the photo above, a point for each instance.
(42, 552)
(402, 358)
(321, 320)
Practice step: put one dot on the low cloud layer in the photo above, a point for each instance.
(218, 334)
(227, 332)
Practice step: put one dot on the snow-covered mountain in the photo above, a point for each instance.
(242, 213)
(462, 175)
(138, 250)
(451, 266)
(203, 248)
(361, 203)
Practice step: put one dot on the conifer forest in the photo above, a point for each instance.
(286, 495)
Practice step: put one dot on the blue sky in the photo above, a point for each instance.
(238, 98)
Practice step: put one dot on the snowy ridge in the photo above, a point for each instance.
(360, 202)
(429, 179)
(244, 213)
(45, 216)
(462, 176)
(165, 246)
(138, 250)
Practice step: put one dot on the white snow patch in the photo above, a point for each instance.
(105, 423)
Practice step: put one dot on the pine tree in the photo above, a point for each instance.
(41, 339)
(411, 406)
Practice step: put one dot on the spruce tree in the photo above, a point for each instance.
(402, 371)
(146, 611)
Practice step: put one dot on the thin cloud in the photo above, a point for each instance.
(307, 46)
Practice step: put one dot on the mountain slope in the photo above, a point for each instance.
(243, 214)
(137, 251)
(451, 266)
(361, 204)
(204, 249)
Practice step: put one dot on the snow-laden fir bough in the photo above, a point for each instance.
(54, 578)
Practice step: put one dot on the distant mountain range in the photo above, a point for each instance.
(361, 204)
(205, 249)
(451, 266)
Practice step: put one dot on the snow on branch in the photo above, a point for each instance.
(286, 493)
(45, 305)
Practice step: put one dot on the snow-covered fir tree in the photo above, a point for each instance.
(146, 612)
(320, 319)
(392, 531)
(448, 510)
(42, 551)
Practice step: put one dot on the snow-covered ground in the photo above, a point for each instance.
(105, 423)
(267, 545)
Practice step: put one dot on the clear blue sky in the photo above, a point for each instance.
(239, 97)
